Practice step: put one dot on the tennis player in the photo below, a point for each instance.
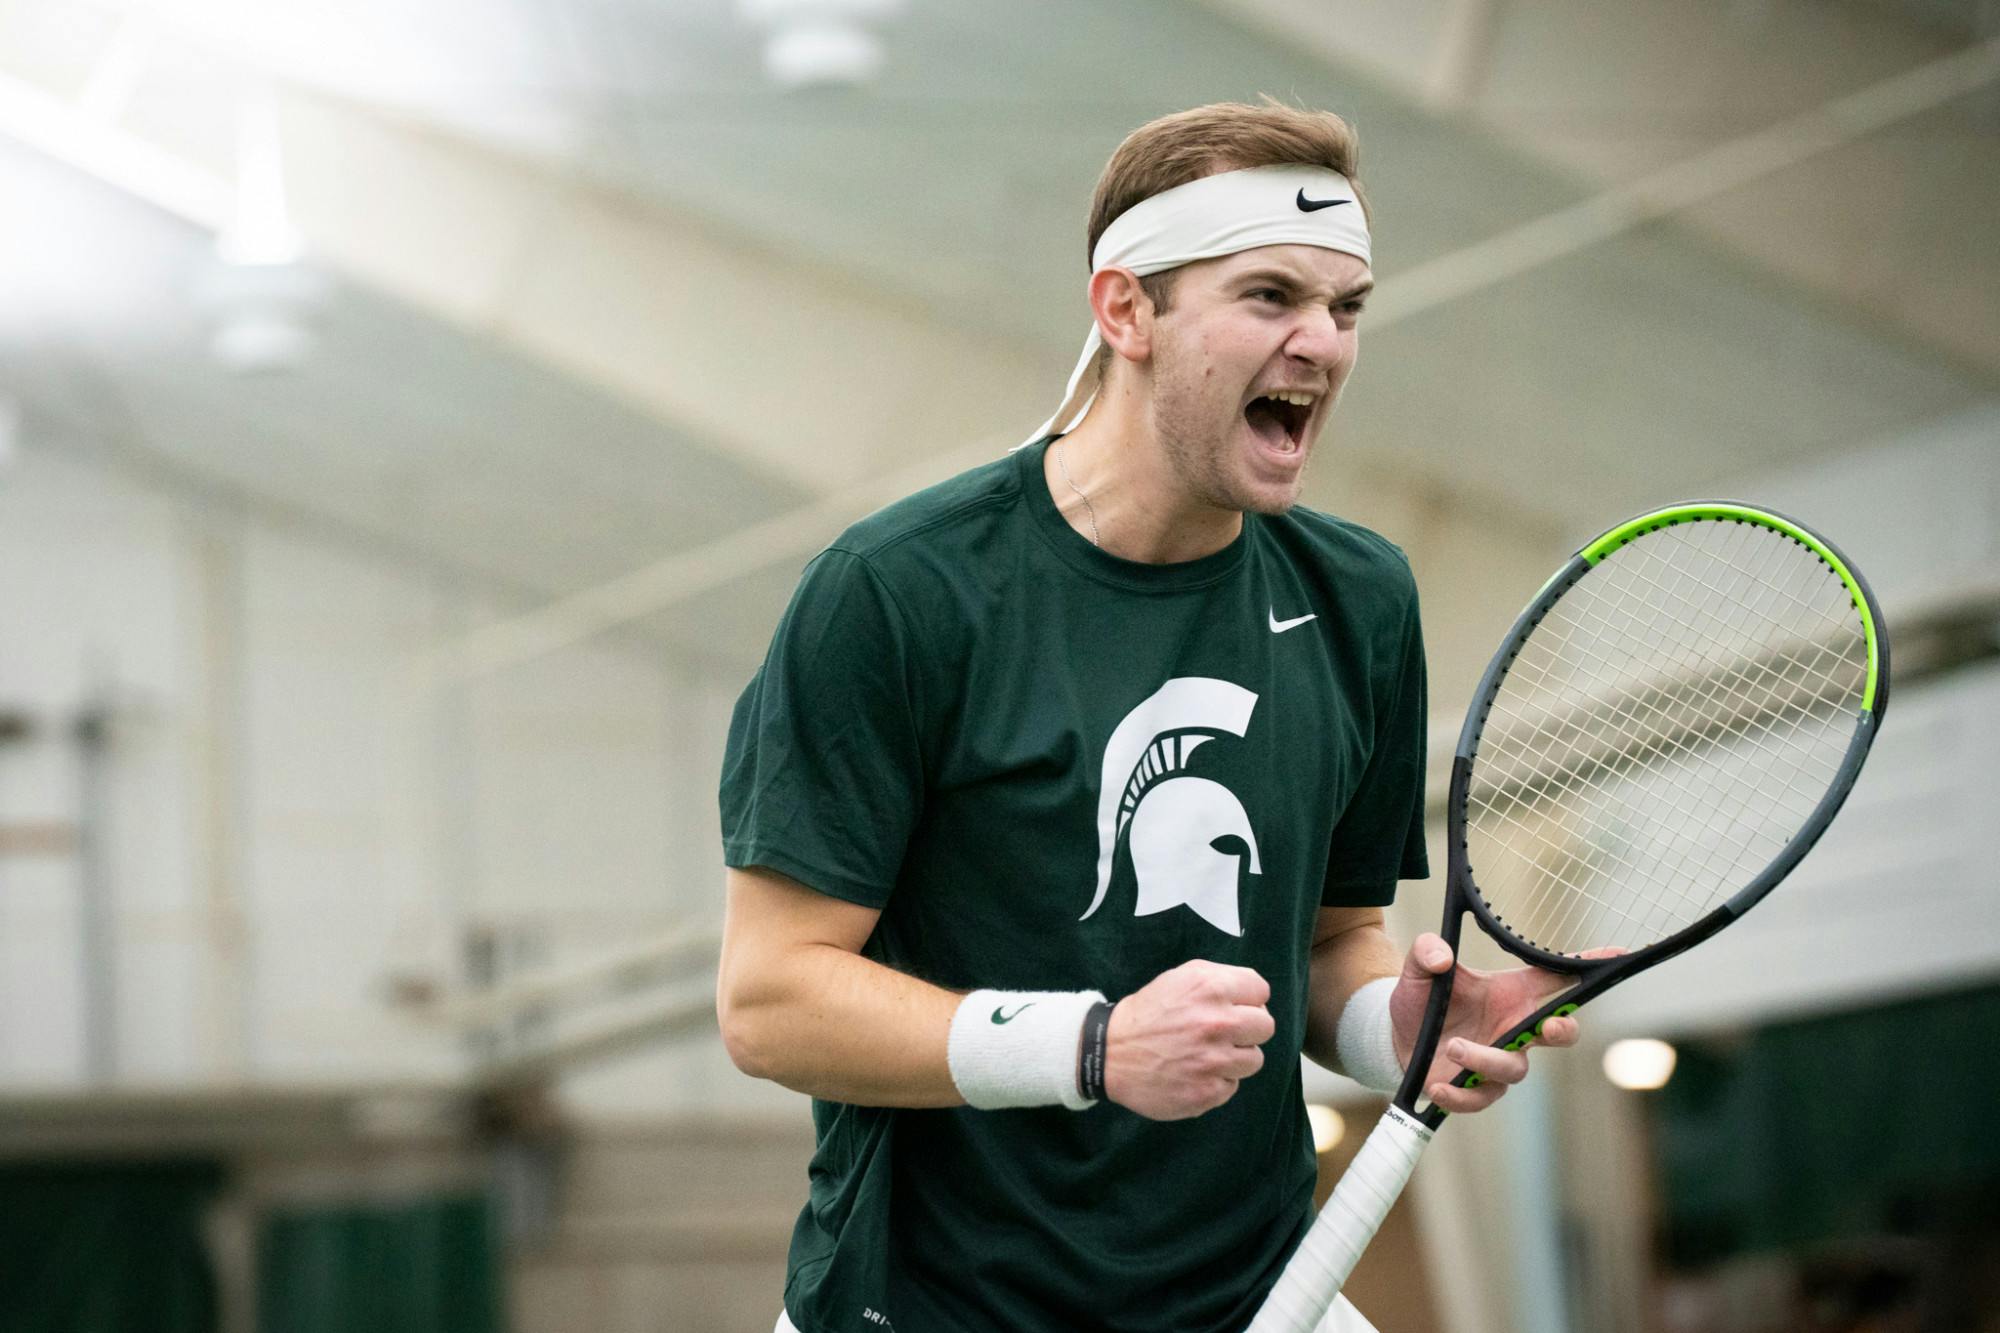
(1061, 815)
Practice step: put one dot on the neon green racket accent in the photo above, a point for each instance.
(1527, 1039)
(1660, 518)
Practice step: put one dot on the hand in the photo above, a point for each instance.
(1484, 1005)
(1179, 1045)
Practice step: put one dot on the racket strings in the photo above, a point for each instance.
(1622, 718)
(1727, 689)
(1661, 736)
(1628, 722)
(1673, 906)
(1746, 667)
(1677, 907)
(1727, 695)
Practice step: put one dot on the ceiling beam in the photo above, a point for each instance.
(1696, 180)
(70, 134)
(1449, 277)
(694, 327)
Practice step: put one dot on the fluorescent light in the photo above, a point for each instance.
(820, 43)
(1328, 1127)
(1639, 1064)
(822, 55)
(260, 230)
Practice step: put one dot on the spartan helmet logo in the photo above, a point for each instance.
(1170, 819)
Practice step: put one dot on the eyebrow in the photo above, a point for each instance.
(1272, 277)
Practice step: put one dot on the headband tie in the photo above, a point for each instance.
(1217, 215)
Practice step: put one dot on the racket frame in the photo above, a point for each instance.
(1597, 975)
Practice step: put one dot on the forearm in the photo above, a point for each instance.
(825, 1021)
(800, 1006)
(1343, 961)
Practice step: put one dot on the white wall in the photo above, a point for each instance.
(293, 817)
(88, 583)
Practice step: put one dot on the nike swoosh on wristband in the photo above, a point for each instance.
(1280, 626)
(1011, 1017)
(1315, 205)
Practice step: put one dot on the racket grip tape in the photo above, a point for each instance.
(1319, 1268)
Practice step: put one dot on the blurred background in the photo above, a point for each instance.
(415, 413)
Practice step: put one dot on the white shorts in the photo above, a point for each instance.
(1342, 1318)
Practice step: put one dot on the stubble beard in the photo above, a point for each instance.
(1199, 456)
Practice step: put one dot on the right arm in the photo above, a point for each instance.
(800, 1006)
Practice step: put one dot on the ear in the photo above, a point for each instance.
(1124, 313)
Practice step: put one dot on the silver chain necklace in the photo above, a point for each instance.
(1088, 507)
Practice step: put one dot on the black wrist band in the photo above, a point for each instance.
(1090, 1055)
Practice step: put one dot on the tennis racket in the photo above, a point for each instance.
(1668, 728)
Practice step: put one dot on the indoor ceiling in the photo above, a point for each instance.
(1803, 259)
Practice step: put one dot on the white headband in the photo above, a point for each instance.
(1207, 218)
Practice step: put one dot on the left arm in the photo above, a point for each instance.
(1350, 949)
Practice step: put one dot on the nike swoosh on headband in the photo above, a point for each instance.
(1314, 205)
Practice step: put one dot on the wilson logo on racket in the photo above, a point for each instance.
(1168, 819)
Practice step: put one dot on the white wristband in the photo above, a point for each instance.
(1365, 1041)
(1019, 1048)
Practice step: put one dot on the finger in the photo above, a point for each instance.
(1238, 985)
(1429, 955)
(1492, 1064)
(1550, 1032)
(1243, 1061)
(1253, 1025)
(1460, 1101)
(1560, 1032)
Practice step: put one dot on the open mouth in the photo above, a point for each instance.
(1279, 419)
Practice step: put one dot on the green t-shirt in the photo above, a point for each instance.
(1052, 769)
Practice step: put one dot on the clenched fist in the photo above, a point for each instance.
(1179, 1045)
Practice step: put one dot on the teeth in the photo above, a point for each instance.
(1299, 399)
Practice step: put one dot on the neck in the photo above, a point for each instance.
(1142, 505)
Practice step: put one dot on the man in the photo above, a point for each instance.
(1109, 717)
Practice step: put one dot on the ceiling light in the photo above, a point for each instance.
(1639, 1064)
(262, 317)
(263, 303)
(819, 55)
(820, 43)
(259, 230)
(1328, 1127)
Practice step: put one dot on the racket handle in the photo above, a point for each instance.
(1318, 1269)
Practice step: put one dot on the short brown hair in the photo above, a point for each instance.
(1223, 136)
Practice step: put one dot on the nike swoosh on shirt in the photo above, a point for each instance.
(1280, 626)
